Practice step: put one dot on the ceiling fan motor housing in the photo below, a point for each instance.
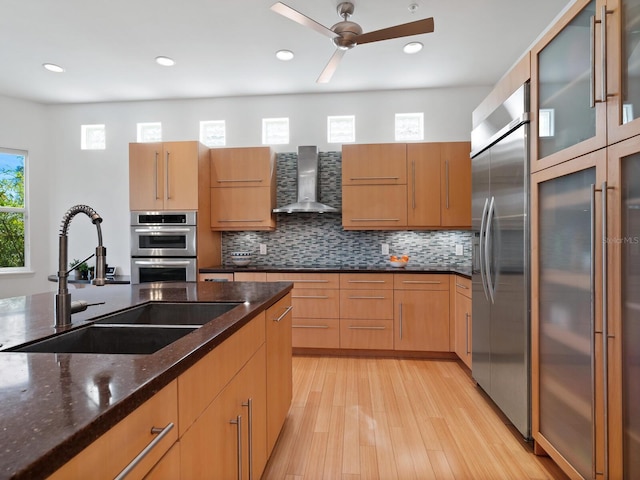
(348, 32)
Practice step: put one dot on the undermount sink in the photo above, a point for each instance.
(109, 339)
(160, 313)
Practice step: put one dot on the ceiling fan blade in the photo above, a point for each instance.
(412, 28)
(331, 67)
(296, 16)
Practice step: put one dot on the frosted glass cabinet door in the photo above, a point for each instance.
(630, 245)
(565, 382)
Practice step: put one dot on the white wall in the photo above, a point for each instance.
(100, 178)
(24, 125)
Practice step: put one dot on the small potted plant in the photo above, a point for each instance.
(81, 269)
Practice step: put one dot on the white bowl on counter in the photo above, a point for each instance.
(241, 259)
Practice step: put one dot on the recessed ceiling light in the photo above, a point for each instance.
(165, 61)
(52, 67)
(284, 55)
(413, 47)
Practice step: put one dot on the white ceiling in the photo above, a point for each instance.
(226, 47)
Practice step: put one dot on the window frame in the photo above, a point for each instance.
(24, 210)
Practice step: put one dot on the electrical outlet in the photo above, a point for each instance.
(385, 248)
(459, 249)
(263, 249)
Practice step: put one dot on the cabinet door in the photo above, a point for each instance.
(423, 188)
(242, 208)
(374, 207)
(181, 175)
(463, 328)
(374, 164)
(455, 171)
(623, 74)
(568, 118)
(146, 176)
(566, 320)
(242, 167)
(279, 367)
(622, 324)
(422, 320)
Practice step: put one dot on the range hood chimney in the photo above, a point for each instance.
(307, 185)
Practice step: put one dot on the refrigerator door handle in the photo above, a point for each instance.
(481, 249)
(487, 250)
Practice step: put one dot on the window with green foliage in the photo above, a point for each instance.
(13, 209)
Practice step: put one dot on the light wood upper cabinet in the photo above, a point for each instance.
(165, 176)
(434, 193)
(243, 189)
(374, 164)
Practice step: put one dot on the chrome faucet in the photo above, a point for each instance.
(64, 306)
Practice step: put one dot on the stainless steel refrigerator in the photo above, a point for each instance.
(501, 279)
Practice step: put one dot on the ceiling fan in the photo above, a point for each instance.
(347, 34)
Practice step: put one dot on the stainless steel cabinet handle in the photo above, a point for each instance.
(156, 176)
(309, 281)
(254, 220)
(462, 286)
(166, 177)
(366, 281)
(310, 326)
(400, 316)
(352, 327)
(321, 297)
(287, 310)
(446, 176)
(592, 62)
(603, 47)
(249, 405)
(592, 289)
(161, 433)
(373, 178)
(605, 325)
(362, 297)
(375, 219)
(413, 184)
(240, 180)
(422, 282)
(238, 423)
(466, 318)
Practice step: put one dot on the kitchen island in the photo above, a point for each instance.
(56, 405)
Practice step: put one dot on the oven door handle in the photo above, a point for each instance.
(162, 230)
(161, 263)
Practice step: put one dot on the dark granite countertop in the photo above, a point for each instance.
(54, 405)
(459, 270)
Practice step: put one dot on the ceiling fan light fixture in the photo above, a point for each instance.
(165, 61)
(412, 47)
(284, 55)
(52, 67)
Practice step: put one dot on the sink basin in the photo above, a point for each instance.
(109, 339)
(169, 314)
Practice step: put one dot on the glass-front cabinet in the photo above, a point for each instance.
(586, 81)
(586, 312)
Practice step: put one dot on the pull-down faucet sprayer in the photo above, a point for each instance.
(64, 307)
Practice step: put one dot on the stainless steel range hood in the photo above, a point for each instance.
(307, 185)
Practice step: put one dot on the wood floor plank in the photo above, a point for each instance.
(397, 419)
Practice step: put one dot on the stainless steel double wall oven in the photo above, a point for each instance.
(163, 246)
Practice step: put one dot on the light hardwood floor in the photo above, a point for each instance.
(381, 418)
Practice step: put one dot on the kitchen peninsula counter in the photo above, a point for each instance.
(55, 405)
(449, 269)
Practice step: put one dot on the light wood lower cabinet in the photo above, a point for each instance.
(316, 308)
(279, 368)
(156, 418)
(463, 317)
(421, 312)
(366, 311)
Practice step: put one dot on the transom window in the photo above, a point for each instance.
(149, 132)
(409, 126)
(341, 129)
(93, 137)
(213, 133)
(275, 131)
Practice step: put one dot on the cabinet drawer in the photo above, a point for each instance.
(366, 304)
(315, 303)
(250, 276)
(247, 208)
(379, 163)
(215, 277)
(366, 334)
(421, 281)
(316, 332)
(199, 385)
(307, 280)
(120, 445)
(365, 281)
(463, 285)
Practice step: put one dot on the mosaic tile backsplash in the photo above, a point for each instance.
(311, 239)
